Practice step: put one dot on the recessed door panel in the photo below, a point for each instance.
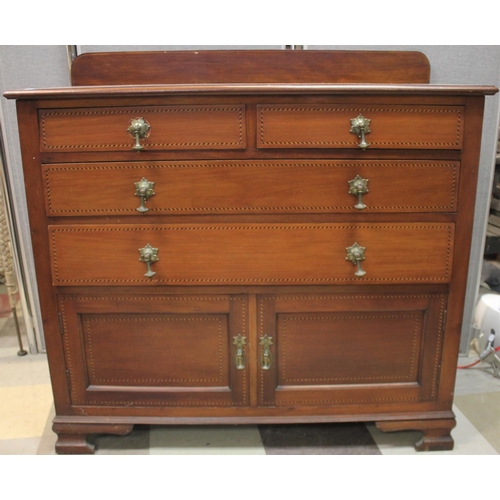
(349, 348)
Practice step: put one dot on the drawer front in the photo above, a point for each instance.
(272, 186)
(197, 254)
(171, 127)
(156, 350)
(341, 349)
(390, 127)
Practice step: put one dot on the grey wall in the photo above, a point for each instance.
(46, 66)
(23, 67)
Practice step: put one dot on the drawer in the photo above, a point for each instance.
(390, 126)
(267, 186)
(200, 254)
(170, 127)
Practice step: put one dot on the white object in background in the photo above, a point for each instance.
(487, 326)
(487, 315)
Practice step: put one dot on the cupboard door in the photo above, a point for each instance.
(155, 350)
(349, 349)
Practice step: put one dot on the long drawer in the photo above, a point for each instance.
(198, 254)
(332, 126)
(266, 186)
(166, 127)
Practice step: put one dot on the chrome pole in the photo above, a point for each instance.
(72, 53)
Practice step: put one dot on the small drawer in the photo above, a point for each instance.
(161, 128)
(216, 254)
(259, 186)
(332, 126)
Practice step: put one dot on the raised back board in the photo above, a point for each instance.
(249, 66)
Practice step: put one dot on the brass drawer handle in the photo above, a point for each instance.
(356, 254)
(358, 187)
(139, 128)
(361, 126)
(239, 358)
(144, 189)
(148, 255)
(266, 360)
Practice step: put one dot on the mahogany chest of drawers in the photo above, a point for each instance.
(251, 253)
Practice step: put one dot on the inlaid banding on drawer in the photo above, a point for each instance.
(197, 254)
(329, 126)
(265, 186)
(171, 127)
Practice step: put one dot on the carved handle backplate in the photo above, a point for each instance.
(358, 187)
(139, 128)
(144, 189)
(356, 254)
(239, 357)
(149, 256)
(361, 126)
(266, 359)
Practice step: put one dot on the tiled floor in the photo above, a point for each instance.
(26, 412)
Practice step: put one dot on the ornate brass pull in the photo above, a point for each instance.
(149, 255)
(356, 254)
(239, 358)
(266, 360)
(144, 189)
(361, 126)
(358, 187)
(139, 128)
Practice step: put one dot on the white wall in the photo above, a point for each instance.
(46, 66)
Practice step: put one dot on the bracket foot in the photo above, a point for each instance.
(436, 433)
(72, 438)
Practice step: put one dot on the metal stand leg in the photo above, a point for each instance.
(21, 351)
(7, 267)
